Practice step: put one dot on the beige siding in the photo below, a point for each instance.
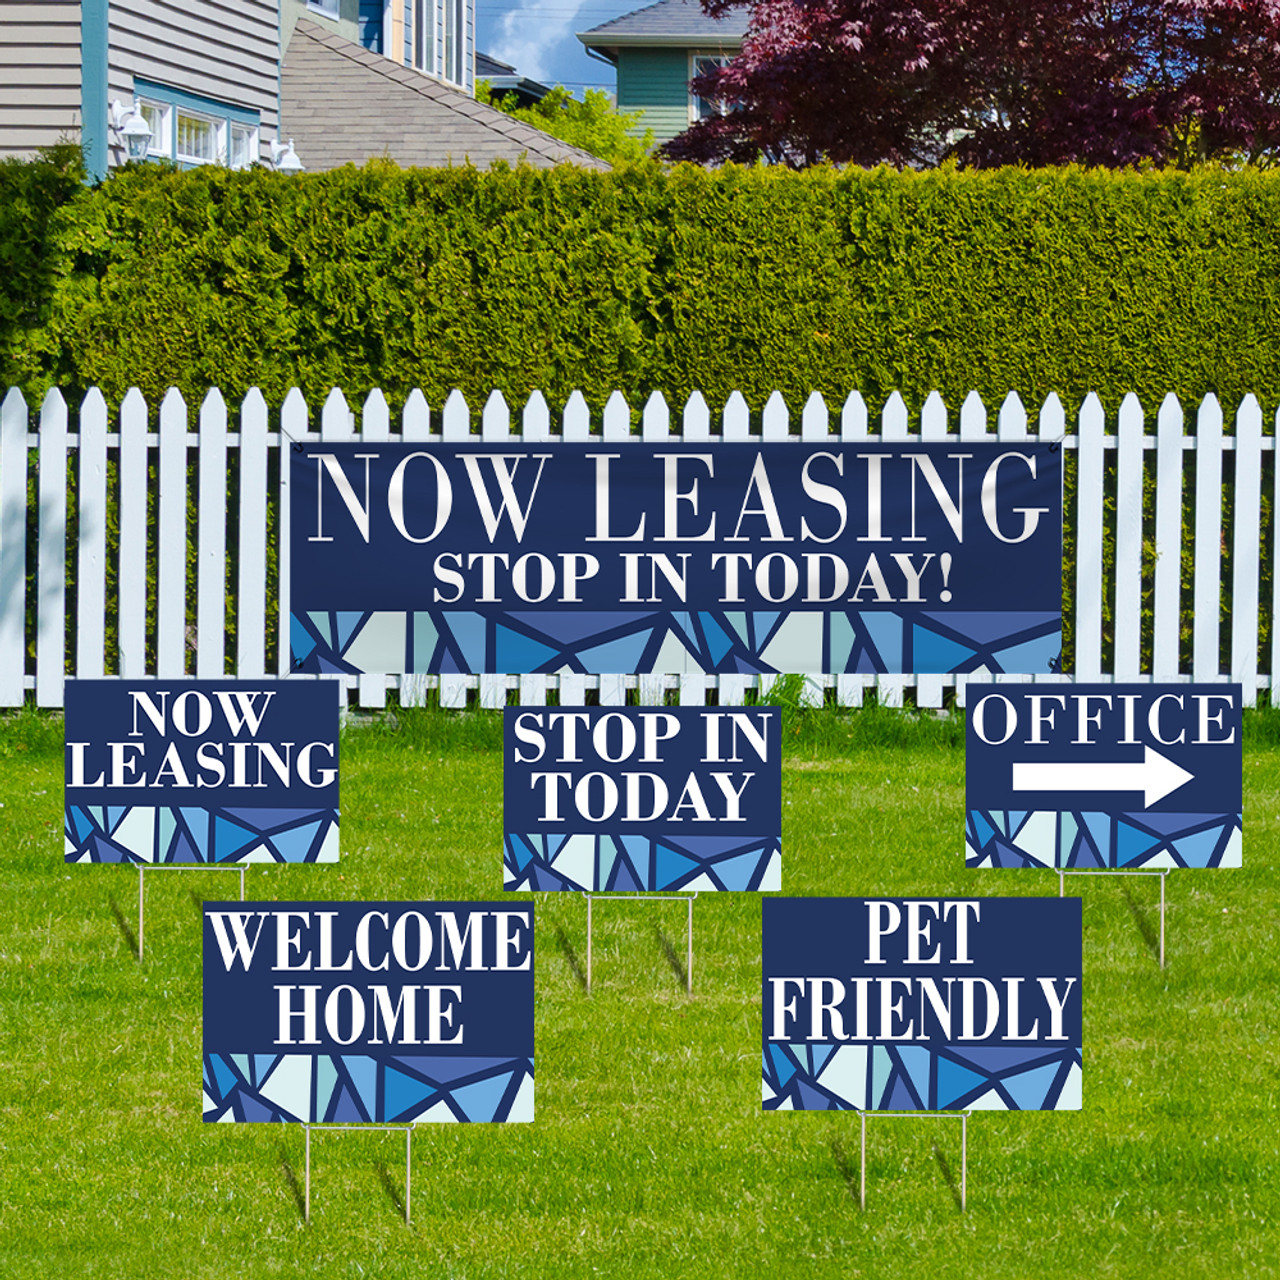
(227, 50)
(39, 75)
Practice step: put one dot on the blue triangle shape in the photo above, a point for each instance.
(468, 631)
(982, 829)
(344, 1108)
(293, 845)
(820, 1053)
(301, 641)
(783, 1066)
(401, 1094)
(931, 652)
(364, 1075)
(761, 624)
(230, 838)
(621, 656)
(900, 1099)
(954, 1081)
(223, 1076)
(1131, 843)
(517, 653)
(670, 867)
(1197, 849)
(736, 873)
(480, 1101)
(885, 630)
(916, 1060)
(1032, 657)
(1030, 1088)
(718, 644)
(346, 625)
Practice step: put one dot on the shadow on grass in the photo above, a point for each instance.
(677, 964)
(291, 1181)
(126, 932)
(848, 1171)
(390, 1187)
(948, 1176)
(571, 956)
(1142, 918)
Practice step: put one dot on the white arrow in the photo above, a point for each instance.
(1156, 776)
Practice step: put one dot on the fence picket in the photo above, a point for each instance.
(51, 575)
(737, 417)
(1167, 597)
(13, 548)
(375, 428)
(211, 534)
(456, 427)
(1205, 649)
(251, 576)
(697, 419)
(933, 426)
(815, 422)
(617, 418)
(1088, 619)
(91, 538)
(1128, 517)
(171, 539)
(655, 425)
(1246, 545)
(133, 553)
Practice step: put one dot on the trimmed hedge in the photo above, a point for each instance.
(644, 278)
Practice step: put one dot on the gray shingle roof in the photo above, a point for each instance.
(666, 22)
(342, 104)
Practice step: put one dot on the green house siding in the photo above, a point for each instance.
(655, 81)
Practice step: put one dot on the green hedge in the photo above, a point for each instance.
(644, 278)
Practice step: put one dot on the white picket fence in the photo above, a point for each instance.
(111, 481)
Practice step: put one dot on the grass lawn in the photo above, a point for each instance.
(650, 1155)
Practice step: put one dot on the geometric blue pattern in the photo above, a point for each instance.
(1093, 840)
(593, 863)
(878, 1077)
(512, 642)
(356, 1089)
(158, 835)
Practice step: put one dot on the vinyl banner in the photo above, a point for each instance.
(368, 1012)
(639, 557)
(922, 1004)
(1103, 775)
(201, 771)
(625, 798)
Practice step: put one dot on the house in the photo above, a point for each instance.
(227, 81)
(657, 51)
(504, 79)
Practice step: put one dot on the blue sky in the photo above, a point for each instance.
(537, 38)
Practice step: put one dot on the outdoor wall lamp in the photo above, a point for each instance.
(284, 159)
(132, 126)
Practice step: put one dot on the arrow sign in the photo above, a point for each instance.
(1155, 775)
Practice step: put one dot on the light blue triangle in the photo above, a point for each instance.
(982, 829)
(671, 866)
(166, 824)
(881, 1069)
(762, 622)
(346, 623)
(116, 814)
(954, 1081)
(516, 653)
(326, 1078)
(262, 1064)
(321, 623)
(364, 1075)
(736, 872)
(1031, 657)
(1030, 1088)
(223, 1076)
(621, 656)
(842, 638)
(1098, 826)
(230, 838)
(424, 641)
(931, 652)
(294, 844)
(916, 1059)
(783, 1067)
(401, 1092)
(819, 1053)
(197, 821)
(639, 850)
(738, 621)
(885, 630)
(480, 1101)
(1196, 849)
(608, 854)
(468, 632)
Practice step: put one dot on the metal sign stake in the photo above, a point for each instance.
(1064, 872)
(142, 867)
(915, 1115)
(362, 1128)
(646, 897)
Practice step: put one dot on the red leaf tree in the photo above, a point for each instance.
(992, 82)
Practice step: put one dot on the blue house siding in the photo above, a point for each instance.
(655, 81)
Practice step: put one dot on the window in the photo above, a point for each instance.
(701, 108)
(159, 116)
(196, 130)
(327, 7)
(199, 138)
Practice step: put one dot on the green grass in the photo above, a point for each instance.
(650, 1155)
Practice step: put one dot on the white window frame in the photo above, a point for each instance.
(219, 126)
(254, 143)
(327, 8)
(719, 60)
(161, 144)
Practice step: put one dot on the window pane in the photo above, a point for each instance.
(197, 139)
(244, 146)
(157, 118)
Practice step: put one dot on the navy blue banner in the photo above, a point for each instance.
(174, 771)
(921, 1004)
(1104, 775)
(659, 798)
(368, 1011)
(741, 557)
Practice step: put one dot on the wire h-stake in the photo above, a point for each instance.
(361, 1128)
(646, 897)
(1063, 872)
(166, 866)
(916, 1115)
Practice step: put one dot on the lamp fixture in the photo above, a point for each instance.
(132, 126)
(284, 158)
